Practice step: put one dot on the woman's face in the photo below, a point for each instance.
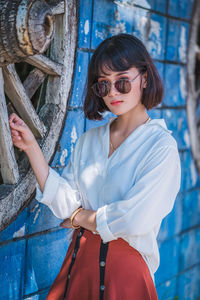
(117, 102)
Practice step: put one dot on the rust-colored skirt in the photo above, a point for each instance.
(93, 270)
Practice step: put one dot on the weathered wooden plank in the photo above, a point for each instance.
(65, 39)
(9, 168)
(197, 51)
(192, 99)
(58, 9)
(26, 28)
(17, 95)
(197, 94)
(45, 64)
(40, 25)
(33, 81)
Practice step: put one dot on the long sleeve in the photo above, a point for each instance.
(148, 201)
(61, 193)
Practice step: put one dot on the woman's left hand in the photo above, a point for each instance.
(66, 223)
(84, 218)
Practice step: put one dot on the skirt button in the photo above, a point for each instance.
(80, 234)
(102, 263)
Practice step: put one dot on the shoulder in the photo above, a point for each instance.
(162, 146)
(160, 135)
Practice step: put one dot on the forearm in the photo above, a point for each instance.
(86, 219)
(38, 164)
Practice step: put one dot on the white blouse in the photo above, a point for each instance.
(132, 190)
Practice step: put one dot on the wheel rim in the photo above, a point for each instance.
(193, 84)
(47, 120)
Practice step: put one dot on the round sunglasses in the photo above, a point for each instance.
(102, 88)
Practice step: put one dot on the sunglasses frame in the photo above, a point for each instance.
(110, 84)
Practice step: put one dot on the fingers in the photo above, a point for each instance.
(15, 118)
(66, 223)
(15, 134)
(16, 123)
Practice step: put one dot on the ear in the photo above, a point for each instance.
(144, 80)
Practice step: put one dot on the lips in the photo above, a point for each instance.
(115, 102)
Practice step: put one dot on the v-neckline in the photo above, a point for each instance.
(124, 141)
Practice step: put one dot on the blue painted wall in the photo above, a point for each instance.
(33, 247)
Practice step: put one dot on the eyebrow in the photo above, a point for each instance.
(120, 73)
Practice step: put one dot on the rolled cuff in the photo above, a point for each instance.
(50, 188)
(102, 226)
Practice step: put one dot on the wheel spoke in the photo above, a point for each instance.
(33, 81)
(58, 9)
(17, 95)
(197, 51)
(9, 168)
(45, 64)
(197, 94)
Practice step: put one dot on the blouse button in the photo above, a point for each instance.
(74, 255)
(80, 234)
(102, 287)
(68, 276)
(102, 263)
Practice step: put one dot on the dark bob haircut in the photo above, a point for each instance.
(120, 53)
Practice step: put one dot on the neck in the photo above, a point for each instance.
(129, 121)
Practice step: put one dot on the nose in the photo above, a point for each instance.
(113, 91)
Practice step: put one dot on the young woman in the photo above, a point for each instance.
(121, 181)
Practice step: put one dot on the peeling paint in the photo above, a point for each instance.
(86, 27)
(131, 3)
(167, 283)
(34, 208)
(180, 122)
(20, 232)
(74, 135)
(155, 42)
(193, 173)
(183, 47)
(186, 138)
(36, 215)
(63, 156)
(119, 27)
(125, 2)
(100, 34)
(168, 113)
(142, 27)
(182, 83)
(144, 3)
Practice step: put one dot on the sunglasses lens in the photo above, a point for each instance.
(101, 89)
(123, 86)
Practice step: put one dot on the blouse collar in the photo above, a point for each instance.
(158, 122)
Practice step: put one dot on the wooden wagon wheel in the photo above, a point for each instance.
(193, 84)
(27, 27)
